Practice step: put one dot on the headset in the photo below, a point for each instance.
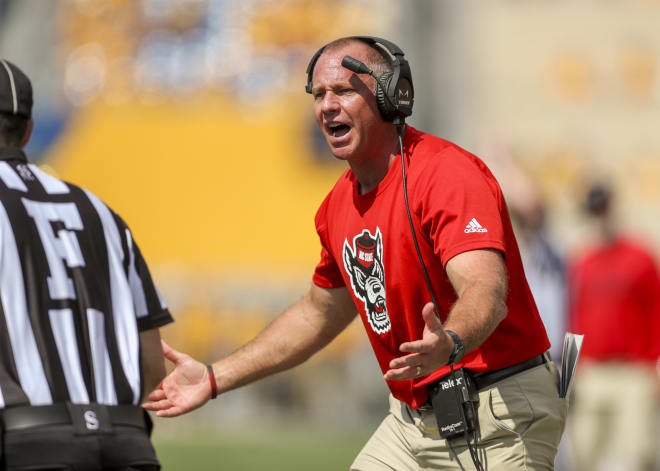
(395, 96)
(394, 90)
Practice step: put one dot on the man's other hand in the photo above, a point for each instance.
(425, 355)
(186, 388)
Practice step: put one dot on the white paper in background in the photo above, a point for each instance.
(569, 360)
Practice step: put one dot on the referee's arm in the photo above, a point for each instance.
(151, 359)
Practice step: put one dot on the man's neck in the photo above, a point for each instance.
(12, 153)
(371, 174)
(370, 171)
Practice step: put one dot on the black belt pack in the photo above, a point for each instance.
(453, 399)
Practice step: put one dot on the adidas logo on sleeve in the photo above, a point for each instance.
(474, 226)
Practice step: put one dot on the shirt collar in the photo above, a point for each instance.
(13, 153)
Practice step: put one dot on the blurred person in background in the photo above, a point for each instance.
(546, 273)
(79, 318)
(614, 288)
(544, 268)
(543, 261)
(369, 265)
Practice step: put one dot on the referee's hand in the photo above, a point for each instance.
(186, 388)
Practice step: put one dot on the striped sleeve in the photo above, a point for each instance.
(150, 308)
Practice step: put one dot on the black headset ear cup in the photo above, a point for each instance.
(386, 110)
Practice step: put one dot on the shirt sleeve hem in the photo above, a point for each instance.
(322, 282)
(473, 245)
(154, 321)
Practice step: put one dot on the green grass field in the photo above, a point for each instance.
(273, 450)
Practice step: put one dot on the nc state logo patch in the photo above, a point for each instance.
(364, 264)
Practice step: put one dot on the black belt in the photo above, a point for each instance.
(483, 380)
(23, 417)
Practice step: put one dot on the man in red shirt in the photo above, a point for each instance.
(488, 322)
(615, 302)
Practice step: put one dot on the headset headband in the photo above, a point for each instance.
(394, 50)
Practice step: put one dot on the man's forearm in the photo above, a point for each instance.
(287, 342)
(477, 312)
(279, 347)
(481, 284)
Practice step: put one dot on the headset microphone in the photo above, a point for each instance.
(360, 67)
(356, 66)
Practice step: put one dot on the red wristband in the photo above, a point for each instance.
(214, 385)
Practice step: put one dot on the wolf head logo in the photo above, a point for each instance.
(364, 264)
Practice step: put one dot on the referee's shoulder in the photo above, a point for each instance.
(96, 201)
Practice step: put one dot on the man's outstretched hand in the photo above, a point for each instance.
(426, 355)
(186, 388)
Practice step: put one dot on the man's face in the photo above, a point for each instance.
(345, 106)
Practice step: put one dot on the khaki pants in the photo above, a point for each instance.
(612, 424)
(521, 420)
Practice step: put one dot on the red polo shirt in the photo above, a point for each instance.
(615, 302)
(367, 246)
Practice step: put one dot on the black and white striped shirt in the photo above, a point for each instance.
(75, 293)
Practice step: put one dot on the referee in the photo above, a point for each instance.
(79, 316)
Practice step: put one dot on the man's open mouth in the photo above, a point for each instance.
(338, 129)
